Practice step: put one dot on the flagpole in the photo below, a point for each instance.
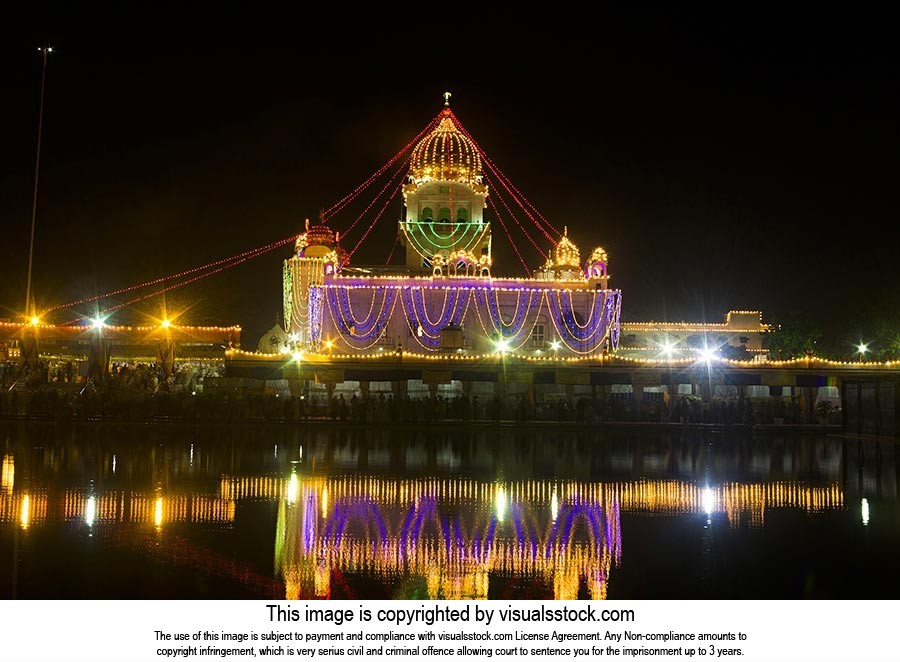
(29, 308)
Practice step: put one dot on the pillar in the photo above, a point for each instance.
(570, 394)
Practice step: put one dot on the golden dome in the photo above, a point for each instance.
(599, 255)
(446, 154)
(567, 253)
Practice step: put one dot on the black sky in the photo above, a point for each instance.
(724, 162)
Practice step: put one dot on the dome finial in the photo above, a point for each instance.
(447, 96)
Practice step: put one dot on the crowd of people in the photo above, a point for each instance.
(193, 391)
(122, 398)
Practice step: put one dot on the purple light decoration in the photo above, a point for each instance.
(365, 510)
(486, 298)
(615, 321)
(445, 529)
(516, 516)
(489, 538)
(454, 306)
(407, 523)
(457, 531)
(451, 314)
(308, 535)
(370, 327)
(563, 527)
(563, 312)
(618, 539)
(414, 522)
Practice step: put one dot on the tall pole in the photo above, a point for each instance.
(37, 169)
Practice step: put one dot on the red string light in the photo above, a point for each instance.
(521, 227)
(380, 213)
(380, 193)
(393, 248)
(347, 199)
(519, 202)
(507, 184)
(247, 254)
(509, 236)
(511, 188)
(174, 286)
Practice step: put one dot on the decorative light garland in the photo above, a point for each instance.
(507, 184)
(347, 199)
(487, 301)
(315, 315)
(521, 227)
(376, 219)
(374, 323)
(377, 196)
(246, 255)
(287, 291)
(470, 236)
(509, 236)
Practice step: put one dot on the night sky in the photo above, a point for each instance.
(724, 162)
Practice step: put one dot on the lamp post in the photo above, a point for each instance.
(862, 348)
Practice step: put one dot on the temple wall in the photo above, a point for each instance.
(360, 318)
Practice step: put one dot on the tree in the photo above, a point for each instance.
(796, 336)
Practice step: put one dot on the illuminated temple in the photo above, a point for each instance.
(445, 298)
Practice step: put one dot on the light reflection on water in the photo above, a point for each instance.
(461, 514)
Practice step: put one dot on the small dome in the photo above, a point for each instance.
(599, 255)
(320, 235)
(567, 253)
(446, 154)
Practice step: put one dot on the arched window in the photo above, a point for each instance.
(427, 215)
(462, 215)
(444, 215)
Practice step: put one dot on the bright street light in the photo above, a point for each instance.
(707, 354)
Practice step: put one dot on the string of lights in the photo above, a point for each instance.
(521, 227)
(393, 248)
(376, 219)
(521, 205)
(403, 166)
(347, 199)
(509, 236)
(507, 184)
(255, 252)
(168, 288)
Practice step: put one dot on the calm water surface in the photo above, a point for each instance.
(444, 512)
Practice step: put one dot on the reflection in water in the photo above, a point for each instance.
(453, 534)
(453, 518)
(457, 533)
(25, 516)
(8, 474)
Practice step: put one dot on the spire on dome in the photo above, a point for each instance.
(446, 153)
